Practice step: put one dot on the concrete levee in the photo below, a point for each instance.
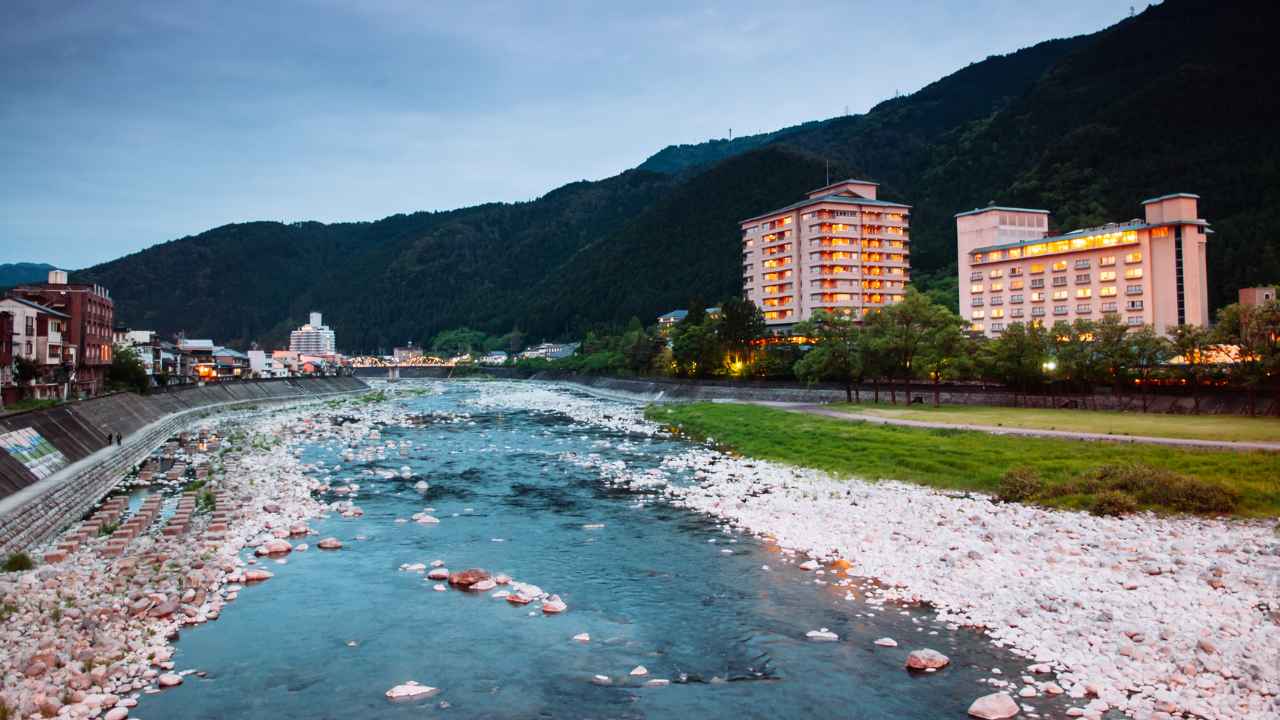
(33, 508)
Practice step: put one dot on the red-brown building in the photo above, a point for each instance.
(87, 339)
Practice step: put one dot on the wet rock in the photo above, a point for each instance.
(582, 637)
(164, 609)
(470, 576)
(887, 642)
(484, 585)
(926, 658)
(118, 713)
(994, 707)
(410, 690)
(811, 565)
(329, 544)
(170, 679)
(438, 574)
(502, 578)
(256, 574)
(823, 634)
(554, 605)
(640, 671)
(275, 546)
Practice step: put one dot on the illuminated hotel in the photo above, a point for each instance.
(841, 250)
(1152, 271)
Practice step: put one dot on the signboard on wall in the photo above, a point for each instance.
(34, 452)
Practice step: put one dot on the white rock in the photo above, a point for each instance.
(639, 671)
(887, 642)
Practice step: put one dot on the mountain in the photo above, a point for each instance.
(1179, 98)
(17, 273)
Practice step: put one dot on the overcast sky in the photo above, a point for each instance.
(125, 124)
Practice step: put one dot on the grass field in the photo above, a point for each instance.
(1194, 427)
(957, 459)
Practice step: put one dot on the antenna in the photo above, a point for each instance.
(1131, 13)
(846, 111)
(731, 133)
(828, 172)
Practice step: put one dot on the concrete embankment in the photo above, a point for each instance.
(57, 464)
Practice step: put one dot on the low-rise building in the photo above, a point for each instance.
(266, 366)
(494, 357)
(1012, 269)
(841, 250)
(1257, 296)
(88, 331)
(38, 333)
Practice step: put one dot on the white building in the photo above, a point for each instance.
(313, 338)
(266, 365)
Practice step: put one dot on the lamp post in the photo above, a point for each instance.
(1049, 367)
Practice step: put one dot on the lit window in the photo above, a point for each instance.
(979, 314)
(1107, 261)
(1107, 276)
(1059, 266)
(1037, 297)
(1015, 285)
(1084, 293)
(1037, 269)
(997, 287)
(1133, 257)
(1160, 232)
(975, 288)
(1107, 291)
(1132, 273)
(993, 255)
(977, 257)
(978, 327)
(997, 274)
(1060, 295)
(1015, 271)
(997, 313)
(1015, 253)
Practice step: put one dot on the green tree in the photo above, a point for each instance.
(947, 347)
(741, 325)
(126, 369)
(902, 330)
(1073, 346)
(835, 351)
(25, 370)
(457, 342)
(1247, 328)
(1149, 351)
(1112, 349)
(1192, 344)
(1017, 356)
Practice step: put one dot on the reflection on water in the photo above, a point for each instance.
(649, 589)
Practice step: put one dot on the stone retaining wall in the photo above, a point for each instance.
(39, 511)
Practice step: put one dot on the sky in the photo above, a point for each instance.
(127, 124)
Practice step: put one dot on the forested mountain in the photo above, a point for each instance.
(1180, 98)
(18, 273)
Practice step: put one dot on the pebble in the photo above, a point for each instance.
(887, 642)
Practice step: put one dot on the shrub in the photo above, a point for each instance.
(108, 529)
(1019, 484)
(1114, 502)
(1164, 487)
(18, 562)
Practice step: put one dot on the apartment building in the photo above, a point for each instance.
(314, 338)
(1012, 269)
(89, 330)
(840, 250)
(37, 333)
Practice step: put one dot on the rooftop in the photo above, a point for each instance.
(1169, 197)
(1000, 207)
(839, 198)
(36, 306)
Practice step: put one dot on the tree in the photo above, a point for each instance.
(1073, 345)
(1148, 351)
(1017, 355)
(741, 324)
(947, 343)
(457, 342)
(1247, 328)
(126, 369)
(835, 351)
(1191, 343)
(902, 328)
(517, 342)
(1112, 350)
(696, 347)
(1268, 347)
(25, 371)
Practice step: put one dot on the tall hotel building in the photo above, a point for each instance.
(840, 250)
(1146, 271)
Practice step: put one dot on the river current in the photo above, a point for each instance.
(649, 588)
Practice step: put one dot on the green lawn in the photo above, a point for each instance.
(1194, 427)
(958, 459)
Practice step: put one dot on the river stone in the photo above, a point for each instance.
(164, 609)
(823, 634)
(994, 707)
(887, 642)
(35, 669)
(256, 574)
(470, 576)
(329, 544)
(921, 659)
(116, 714)
(554, 605)
(502, 578)
(409, 690)
(437, 563)
(640, 671)
(298, 528)
(170, 679)
(428, 520)
(274, 547)
(582, 637)
(811, 565)
(438, 574)
(484, 585)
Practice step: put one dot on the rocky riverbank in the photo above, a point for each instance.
(1158, 617)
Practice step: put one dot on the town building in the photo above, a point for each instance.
(841, 250)
(405, 354)
(8, 388)
(266, 366)
(88, 333)
(314, 338)
(494, 357)
(1013, 269)
(1257, 297)
(38, 333)
(668, 321)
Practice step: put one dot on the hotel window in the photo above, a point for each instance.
(1082, 264)
(1059, 309)
(976, 276)
(977, 302)
(1037, 282)
(1133, 290)
(748, 280)
(1108, 307)
(1036, 269)
(1014, 272)
(997, 301)
(1084, 309)
(997, 327)
(1107, 261)
(1135, 320)
(1059, 281)
(779, 262)
(977, 327)
(978, 314)
(1060, 295)
(993, 255)
(1159, 232)
(777, 314)
(997, 274)
(775, 249)
(1037, 297)
(1132, 273)
(774, 276)
(895, 217)
(1059, 266)
(1016, 312)
(748, 254)
(997, 287)
(1133, 305)
(997, 313)
(752, 229)
(1084, 293)
(975, 288)
(1133, 257)
(1015, 285)
(1107, 291)
(1036, 311)
(1015, 253)
(895, 231)
(750, 292)
(775, 302)
(977, 257)
(1107, 276)
(1083, 278)
(1015, 299)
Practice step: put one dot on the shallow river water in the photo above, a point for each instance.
(649, 589)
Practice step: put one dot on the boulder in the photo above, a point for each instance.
(275, 546)
(170, 679)
(921, 659)
(256, 574)
(887, 642)
(438, 574)
(164, 609)
(329, 544)
(994, 707)
(640, 671)
(484, 585)
(582, 637)
(823, 634)
(554, 605)
(409, 690)
(470, 576)
(428, 520)
(502, 578)
(298, 528)
(117, 713)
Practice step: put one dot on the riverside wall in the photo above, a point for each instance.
(672, 391)
(32, 508)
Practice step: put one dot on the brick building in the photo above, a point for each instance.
(87, 338)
